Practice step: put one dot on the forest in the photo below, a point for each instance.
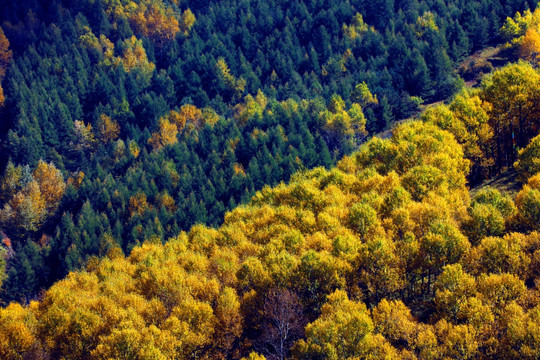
(155, 116)
(185, 179)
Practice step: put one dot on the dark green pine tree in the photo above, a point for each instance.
(66, 235)
(417, 80)
(385, 116)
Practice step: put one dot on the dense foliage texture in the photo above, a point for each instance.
(131, 130)
(162, 114)
(385, 256)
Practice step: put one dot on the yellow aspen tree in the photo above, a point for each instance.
(17, 331)
(517, 26)
(51, 184)
(357, 27)
(165, 135)
(394, 321)
(166, 201)
(248, 109)
(343, 331)
(188, 113)
(5, 53)
(188, 19)
(254, 356)
(515, 99)
(457, 341)
(363, 96)
(138, 204)
(229, 321)
(224, 73)
(26, 210)
(528, 203)
(2, 96)
(452, 288)
(134, 56)
(107, 129)
(529, 49)
(134, 148)
(528, 163)
(209, 116)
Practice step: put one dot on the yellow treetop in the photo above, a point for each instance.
(107, 129)
(165, 135)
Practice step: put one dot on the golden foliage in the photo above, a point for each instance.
(390, 232)
(134, 57)
(188, 19)
(152, 18)
(134, 148)
(107, 129)
(5, 59)
(343, 331)
(529, 48)
(188, 113)
(5, 53)
(340, 125)
(2, 96)
(156, 22)
(426, 22)
(33, 198)
(517, 26)
(166, 134)
(250, 108)
(166, 201)
(17, 331)
(357, 27)
(236, 86)
(51, 184)
(138, 204)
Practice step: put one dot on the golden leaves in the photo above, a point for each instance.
(153, 19)
(157, 22)
(5, 58)
(176, 121)
(134, 57)
(357, 28)
(107, 129)
(188, 19)
(34, 197)
(340, 125)
(51, 184)
(17, 331)
(166, 135)
(138, 204)
(529, 48)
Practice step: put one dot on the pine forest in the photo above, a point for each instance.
(270, 179)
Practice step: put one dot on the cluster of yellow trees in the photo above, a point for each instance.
(386, 256)
(357, 28)
(337, 124)
(30, 196)
(187, 118)
(523, 33)
(152, 18)
(494, 122)
(5, 59)
(149, 18)
(133, 53)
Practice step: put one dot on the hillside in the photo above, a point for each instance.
(185, 179)
(154, 116)
(384, 256)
